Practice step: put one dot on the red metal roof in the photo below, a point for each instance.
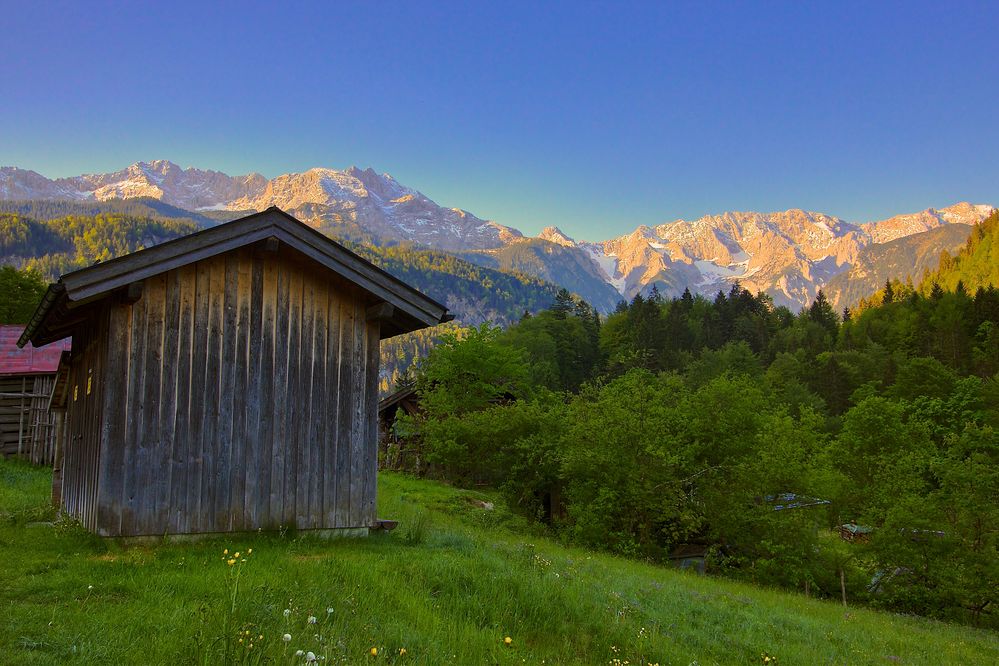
(30, 360)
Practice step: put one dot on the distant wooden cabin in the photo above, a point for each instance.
(397, 451)
(27, 426)
(225, 381)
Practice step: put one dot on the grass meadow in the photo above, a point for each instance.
(449, 586)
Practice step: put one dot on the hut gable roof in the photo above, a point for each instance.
(32, 361)
(403, 308)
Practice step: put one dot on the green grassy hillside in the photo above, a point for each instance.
(448, 586)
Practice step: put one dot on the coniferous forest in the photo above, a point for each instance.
(847, 455)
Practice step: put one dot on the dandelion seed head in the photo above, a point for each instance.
(312, 619)
(286, 638)
(287, 612)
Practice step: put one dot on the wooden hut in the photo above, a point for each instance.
(395, 450)
(27, 426)
(226, 381)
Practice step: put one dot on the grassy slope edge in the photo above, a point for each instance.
(448, 586)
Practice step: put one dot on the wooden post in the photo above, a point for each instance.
(57, 461)
(842, 584)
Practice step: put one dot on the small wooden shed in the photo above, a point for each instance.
(226, 381)
(392, 447)
(27, 426)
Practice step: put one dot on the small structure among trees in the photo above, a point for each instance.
(393, 450)
(225, 381)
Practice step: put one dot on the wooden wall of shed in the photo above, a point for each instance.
(84, 412)
(241, 394)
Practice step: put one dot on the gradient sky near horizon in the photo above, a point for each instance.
(593, 117)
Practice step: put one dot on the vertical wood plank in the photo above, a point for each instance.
(170, 465)
(282, 355)
(185, 454)
(357, 443)
(240, 367)
(268, 376)
(372, 341)
(345, 413)
(255, 470)
(224, 434)
(331, 416)
(133, 416)
(210, 423)
(317, 440)
(115, 407)
(201, 458)
(292, 415)
(150, 447)
(304, 401)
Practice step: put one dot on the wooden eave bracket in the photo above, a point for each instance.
(132, 293)
(380, 312)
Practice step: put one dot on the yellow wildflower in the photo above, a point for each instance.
(508, 640)
(236, 555)
(402, 652)
(231, 562)
(225, 552)
(374, 652)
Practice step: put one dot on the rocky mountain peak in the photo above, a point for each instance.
(557, 236)
(789, 254)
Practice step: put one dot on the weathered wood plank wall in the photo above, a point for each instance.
(241, 393)
(84, 411)
(27, 428)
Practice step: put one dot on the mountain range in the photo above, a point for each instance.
(789, 255)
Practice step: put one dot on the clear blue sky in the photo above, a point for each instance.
(593, 117)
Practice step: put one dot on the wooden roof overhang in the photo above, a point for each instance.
(398, 306)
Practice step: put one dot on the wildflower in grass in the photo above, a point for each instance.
(402, 652)
(231, 562)
(329, 611)
(310, 656)
(249, 552)
(225, 551)
(299, 653)
(286, 638)
(287, 612)
(508, 641)
(374, 652)
(312, 619)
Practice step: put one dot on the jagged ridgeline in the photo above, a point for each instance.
(972, 265)
(54, 237)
